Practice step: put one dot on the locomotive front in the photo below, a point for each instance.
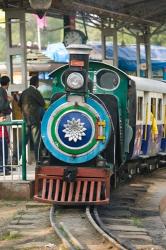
(75, 129)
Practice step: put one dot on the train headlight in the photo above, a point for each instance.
(75, 80)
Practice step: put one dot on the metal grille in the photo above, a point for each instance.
(84, 190)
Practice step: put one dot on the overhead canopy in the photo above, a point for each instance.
(128, 12)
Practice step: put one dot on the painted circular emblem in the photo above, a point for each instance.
(69, 130)
(74, 129)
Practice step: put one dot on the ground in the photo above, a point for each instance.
(25, 225)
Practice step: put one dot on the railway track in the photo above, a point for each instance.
(132, 221)
(133, 217)
(78, 230)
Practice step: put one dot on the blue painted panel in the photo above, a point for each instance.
(152, 146)
(163, 145)
(144, 147)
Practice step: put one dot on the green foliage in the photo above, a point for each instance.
(11, 236)
(124, 39)
(2, 45)
(93, 33)
(31, 28)
(159, 39)
(52, 36)
(55, 34)
(136, 221)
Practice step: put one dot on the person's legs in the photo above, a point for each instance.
(35, 130)
(6, 151)
(4, 156)
(3, 152)
(27, 138)
(17, 145)
(1, 156)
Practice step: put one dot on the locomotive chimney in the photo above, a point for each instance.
(79, 53)
(76, 77)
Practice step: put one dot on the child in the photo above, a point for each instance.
(3, 132)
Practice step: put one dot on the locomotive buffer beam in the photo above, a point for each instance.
(71, 186)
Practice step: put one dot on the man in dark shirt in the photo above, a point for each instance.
(32, 106)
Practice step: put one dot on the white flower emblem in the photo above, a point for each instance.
(74, 130)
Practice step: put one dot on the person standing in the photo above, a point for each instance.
(5, 100)
(5, 111)
(32, 106)
(4, 141)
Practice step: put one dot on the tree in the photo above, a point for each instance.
(2, 45)
(52, 36)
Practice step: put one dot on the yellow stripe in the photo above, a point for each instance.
(146, 122)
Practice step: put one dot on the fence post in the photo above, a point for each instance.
(24, 174)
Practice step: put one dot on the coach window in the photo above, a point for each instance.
(153, 106)
(159, 109)
(140, 108)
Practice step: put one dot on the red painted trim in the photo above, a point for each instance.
(58, 171)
